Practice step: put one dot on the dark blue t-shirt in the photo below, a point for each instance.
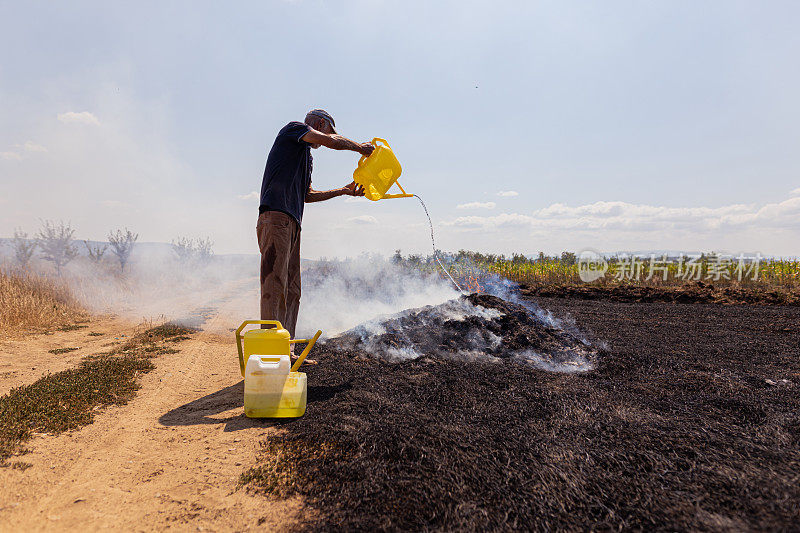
(287, 176)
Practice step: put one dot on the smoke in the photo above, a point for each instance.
(339, 295)
(219, 293)
(575, 363)
(212, 294)
(509, 291)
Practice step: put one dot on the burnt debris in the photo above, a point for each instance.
(473, 327)
(676, 428)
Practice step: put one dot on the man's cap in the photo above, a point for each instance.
(321, 113)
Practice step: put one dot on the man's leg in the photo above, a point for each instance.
(293, 293)
(274, 230)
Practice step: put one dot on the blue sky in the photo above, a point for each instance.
(525, 126)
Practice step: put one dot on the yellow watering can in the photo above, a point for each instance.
(272, 387)
(378, 172)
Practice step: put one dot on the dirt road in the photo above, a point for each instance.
(26, 358)
(170, 458)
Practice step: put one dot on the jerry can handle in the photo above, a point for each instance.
(275, 323)
(303, 355)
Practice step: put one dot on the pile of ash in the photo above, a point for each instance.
(472, 327)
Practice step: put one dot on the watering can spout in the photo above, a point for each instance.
(378, 172)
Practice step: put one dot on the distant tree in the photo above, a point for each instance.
(122, 245)
(95, 252)
(397, 258)
(187, 249)
(568, 258)
(204, 250)
(183, 248)
(518, 259)
(24, 248)
(55, 242)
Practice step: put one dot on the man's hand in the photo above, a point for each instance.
(366, 149)
(351, 189)
(354, 189)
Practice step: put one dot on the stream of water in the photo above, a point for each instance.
(433, 243)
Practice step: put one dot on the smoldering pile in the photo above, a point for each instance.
(472, 327)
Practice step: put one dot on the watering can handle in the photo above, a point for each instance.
(275, 323)
(374, 142)
(303, 355)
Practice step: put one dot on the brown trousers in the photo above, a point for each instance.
(279, 242)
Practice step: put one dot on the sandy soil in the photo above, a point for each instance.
(171, 458)
(24, 359)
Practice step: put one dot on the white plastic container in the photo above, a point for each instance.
(271, 390)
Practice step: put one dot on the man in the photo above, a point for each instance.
(285, 189)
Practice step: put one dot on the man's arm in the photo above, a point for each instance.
(349, 190)
(336, 142)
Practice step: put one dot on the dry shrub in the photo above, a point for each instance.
(33, 301)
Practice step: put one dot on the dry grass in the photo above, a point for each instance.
(31, 301)
(59, 351)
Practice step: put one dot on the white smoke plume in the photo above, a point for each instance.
(339, 295)
(219, 293)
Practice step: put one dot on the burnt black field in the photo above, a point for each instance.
(690, 419)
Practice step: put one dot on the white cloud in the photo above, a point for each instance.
(351, 199)
(623, 216)
(477, 205)
(492, 222)
(363, 219)
(249, 196)
(508, 194)
(84, 117)
(21, 151)
(31, 146)
(795, 192)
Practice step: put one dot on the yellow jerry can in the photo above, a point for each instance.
(272, 386)
(378, 172)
